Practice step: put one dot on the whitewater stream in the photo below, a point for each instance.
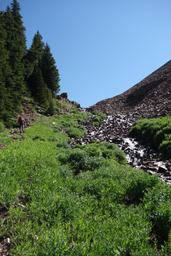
(145, 158)
(115, 129)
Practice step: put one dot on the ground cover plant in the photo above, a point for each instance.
(81, 200)
(156, 132)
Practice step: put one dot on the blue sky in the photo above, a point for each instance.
(101, 47)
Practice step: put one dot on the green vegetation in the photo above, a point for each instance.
(156, 132)
(24, 72)
(82, 200)
(60, 199)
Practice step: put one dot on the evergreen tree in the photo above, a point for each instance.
(16, 46)
(19, 27)
(19, 66)
(41, 83)
(34, 54)
(3, 62)
(38, 88)
(6, 82)
(37, 46)
(50, 71)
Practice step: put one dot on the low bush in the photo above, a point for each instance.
(74, 132)
(2, 127)
(97, 118)
(91, 157)
(106, 151)
(79, 160)
(108, 209)
(156, 132)
(157, 203)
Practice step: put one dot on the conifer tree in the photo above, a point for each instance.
(18, 66)
(49, 70)
(37, 46)
(33, 71)
(3, 60)
(16, 46)
(34, 54)
(38, 88)
(6, 82)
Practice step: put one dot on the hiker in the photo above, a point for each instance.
(21, 123)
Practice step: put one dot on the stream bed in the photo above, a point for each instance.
(115, 129)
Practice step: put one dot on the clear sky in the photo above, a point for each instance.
(101, 47)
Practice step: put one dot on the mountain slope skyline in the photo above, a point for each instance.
(149, 97)
(101, 47)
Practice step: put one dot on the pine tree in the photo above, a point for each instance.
(3, 60)
(42, 82)
(37, 46)
(34, 54)
(50, 71)
(33, 71)
(19, 66)
(38, 88)
(16, 46)
(6, 82)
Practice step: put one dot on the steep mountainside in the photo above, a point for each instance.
(150, 97)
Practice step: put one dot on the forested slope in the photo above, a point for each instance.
(24, 72)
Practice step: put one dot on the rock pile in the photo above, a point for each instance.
(114, 129)
(149, 98)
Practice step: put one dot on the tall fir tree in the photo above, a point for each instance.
(32, 65)
(16, 46)
(3, 64)
(34, 54)
(7, 109)
(42, 82)
(49, 71)
(18, 66)
(38, 88)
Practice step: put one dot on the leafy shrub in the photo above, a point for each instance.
(91, 157)
(138, 187)
(80, 161)
(157, 203)
(155, 132)
(97, 118)
(165, 148)
(53, 212)
(2, 127)
(106, 151)
(74, 132)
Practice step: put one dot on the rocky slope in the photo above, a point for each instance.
(150, 97)
(115, 129)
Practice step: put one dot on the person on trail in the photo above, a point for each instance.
(21, 123)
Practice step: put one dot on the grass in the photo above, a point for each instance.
(156, 132)
(79, 201)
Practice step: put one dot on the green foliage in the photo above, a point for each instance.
(109, 208)
(5, 138)
(12, 50)
(38, 88)
(79, 160)
(6, 78)
(42, 74)
(97, 118)
(158, 207)
(2, 128)
(156, 132)
(16, 46)
(49, 71)
(24, 72)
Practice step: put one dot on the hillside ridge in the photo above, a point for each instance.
(149, 97)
